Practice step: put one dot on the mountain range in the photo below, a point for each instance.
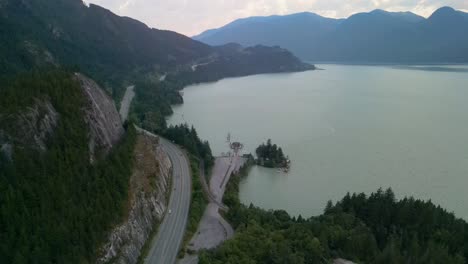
(374, 37)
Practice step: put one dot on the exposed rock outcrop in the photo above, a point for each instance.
(148, 191)
(105, 126)
(36, 124)
(7, 150)
(44, 118)
(41, 56)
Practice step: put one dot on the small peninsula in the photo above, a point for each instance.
(271, 156)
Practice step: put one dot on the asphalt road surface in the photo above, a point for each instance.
(166, 244)
(126, 101)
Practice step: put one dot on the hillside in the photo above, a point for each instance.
(374, 37)
(67, 32)
(65, 163)
(107, 47)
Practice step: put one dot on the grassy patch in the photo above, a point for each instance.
(197, 205)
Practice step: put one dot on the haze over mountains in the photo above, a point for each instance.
(375, 37)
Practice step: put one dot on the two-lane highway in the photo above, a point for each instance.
(126, 102)
(166, 244)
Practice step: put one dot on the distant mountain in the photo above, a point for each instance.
(297, 31)
(375, 37)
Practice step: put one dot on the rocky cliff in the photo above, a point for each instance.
(32, 127)
(149, 185)
(105, 126)
(35, 124)
(51, 124)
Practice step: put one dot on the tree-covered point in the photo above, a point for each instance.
(188, 138)
(364, 229)
(271, 156)
(152, 103)
(56, 207)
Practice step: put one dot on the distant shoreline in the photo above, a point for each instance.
(387, 63)
(413, 67)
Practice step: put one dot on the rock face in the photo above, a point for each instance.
(36, 123)
(148, 191)
(6, 149)
(33, 127)
(41, 118)
(105, 126)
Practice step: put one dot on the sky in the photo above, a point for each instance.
(191, 17)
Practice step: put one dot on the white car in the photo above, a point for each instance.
(170, 211)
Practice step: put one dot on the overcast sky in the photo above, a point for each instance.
(191, 17)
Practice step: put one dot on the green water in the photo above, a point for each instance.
(346, 129)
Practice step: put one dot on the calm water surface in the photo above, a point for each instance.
(346, 129)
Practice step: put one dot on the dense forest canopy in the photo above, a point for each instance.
(271, 156)
(187, 137)
(365, 229)
(56, 207)
(152, 104)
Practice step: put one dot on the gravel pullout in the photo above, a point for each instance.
(213, 229)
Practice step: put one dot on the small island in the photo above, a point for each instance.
(271, 156)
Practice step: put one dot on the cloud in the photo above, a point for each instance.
(193, 16)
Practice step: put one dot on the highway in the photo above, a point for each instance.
(166, 244)
(126, 102)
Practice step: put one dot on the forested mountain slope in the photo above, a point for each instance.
(109, 48)
(64, 168)
(67, 32)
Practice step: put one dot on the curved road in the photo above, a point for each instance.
(126, 101)
(166, 244)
